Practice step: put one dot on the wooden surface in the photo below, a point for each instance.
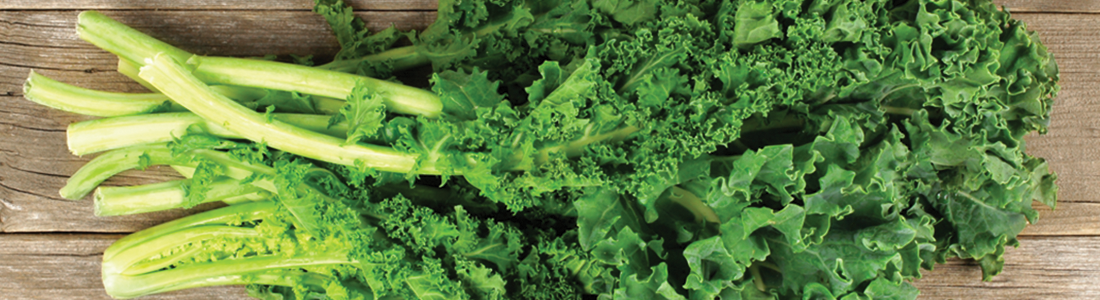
(49, 247)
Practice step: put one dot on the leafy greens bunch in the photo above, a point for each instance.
(617, 149)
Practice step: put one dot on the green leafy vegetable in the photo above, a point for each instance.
(742, 149)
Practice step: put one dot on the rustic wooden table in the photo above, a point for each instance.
(50, 248)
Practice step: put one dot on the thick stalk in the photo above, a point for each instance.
(236, 213)
(398, 98)
(115, 201)
(120, 160)
(58, 95)
(115, 161)
(160, 244)
(185, 171)
(225, 272)
(119, 132)
(66, 97)
(178, 83)
(131, 69)
(323, 105)
(126, 42)
(694, 204)
(163, 261)
(138, 48)
(108, 164)
(400, 58)
(575, 148)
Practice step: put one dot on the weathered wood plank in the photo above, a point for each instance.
(63, 266)
(1071, 37)
(1041, 268)
(1051, 6)
(51, 36)
(16, 244)
(209, 5)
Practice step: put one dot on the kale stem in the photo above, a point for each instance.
(124, 259)
(576, 147)
(108, 164)
(115, 201)
(131, 69)
(757, 279)
(115, 161)
(894, 110)
(58, 95)
(178, 83)
(896, 89)
(66, 97)
(236, 213)
(119, 132)
(138, 49)
(398, 98)
(694, 204)
(126, 42)
(225, 272)
(151, 265)
(401, 58)
(768, 265)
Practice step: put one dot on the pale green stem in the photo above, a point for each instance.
(225, 272)
(108, 164)
(131, 69)
(115, 161)
(178, 83)
(98, 135)
(757, 279)
(139, 49)
(236, 213)
(126, 42)
(894, 110)
(58, 95)
(401, 58)
(162, 243)
(694, 204)
(70, 98)
(398, 98)
(115, 201)
(164, 261)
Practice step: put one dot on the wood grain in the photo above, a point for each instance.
(1051, 6)
(50, 36)
(1041, 268)
(209, 4)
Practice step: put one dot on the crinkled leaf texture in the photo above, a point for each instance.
(743, 149)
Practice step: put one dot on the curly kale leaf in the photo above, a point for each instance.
(364, 112)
